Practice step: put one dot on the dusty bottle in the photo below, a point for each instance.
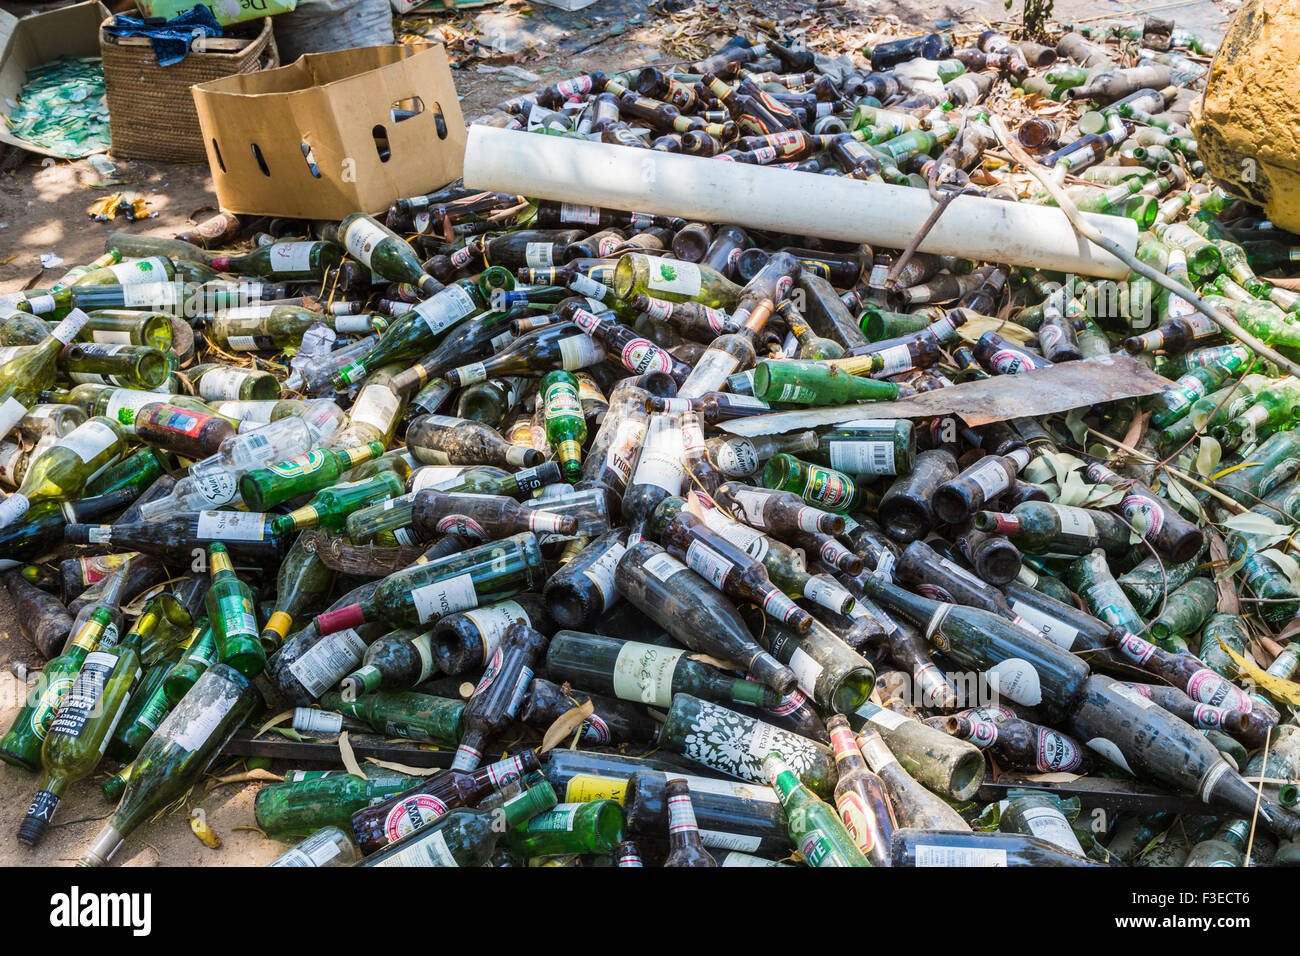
(499, 693)
(186, 742)
(396, 818)
(860, 796)
(914, 805)
(468, 639)
(683, 603)
(644, 673)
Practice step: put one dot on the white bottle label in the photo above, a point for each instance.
(806, 670)
(674, 276)
(991, 477)
(362, 237)
(493, 622)
(446, 308)
(222, 383)
(708, 563)
(601, 573)
(927, 855)
(88, 440)
(291, 256)
(644, 673)
(1017, 679)
(441, 598)
(429, 851)
(231, 525)
(539, 255)
(579, 351)
(376, 406)
(863, 457)
(1058, 632)
(328, 661)
(11, 413)
(738, 457)
(663, 566)
(1048, 823)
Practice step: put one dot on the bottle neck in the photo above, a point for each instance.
(682, 829)
(847, 756)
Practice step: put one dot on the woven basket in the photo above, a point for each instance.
(151, 111)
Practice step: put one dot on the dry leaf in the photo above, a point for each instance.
(403, 768)
(565, 724)
(1229, 600)
(349, 758)
(279, 718)
(199, 824)
(1284, 690)
(1136, 428)
(713, 661)
(1058, 777)
(242, 777)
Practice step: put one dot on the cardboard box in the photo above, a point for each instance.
(329, 135)
(38, 39)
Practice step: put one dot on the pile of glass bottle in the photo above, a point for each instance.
(463, 476)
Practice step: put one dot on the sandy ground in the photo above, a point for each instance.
(43, 210)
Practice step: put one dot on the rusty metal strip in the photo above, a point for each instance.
(1043, 391)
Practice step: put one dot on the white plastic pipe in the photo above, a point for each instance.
(567, 169)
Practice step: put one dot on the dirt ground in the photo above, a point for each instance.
(43, 210)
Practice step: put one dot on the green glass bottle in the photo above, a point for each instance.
(1091, 579)
(385, 252)
(815, 383)
(267, 487)
(200, 654)
(284, 261)
(82, 727)
(274, 326)
(173, 759)
(129, 327)
(230, 609)
(592, 827)
(417, 332)
(331, 506)
(457, 582)
(1227, 847)
(467, 837)
(1040, 527)
(217, 383)
(1023, 666)
(674, 281)
(645, 673)
(60, 472)
(144, 712)
(566, 428)
(405, 714)
(870, 446)
(128, 366)
(815, 827)
(298, 808)
(1187, 608)
(302, 581)
(21, 746)
(827, 488)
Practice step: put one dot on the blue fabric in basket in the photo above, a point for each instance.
(171, 38)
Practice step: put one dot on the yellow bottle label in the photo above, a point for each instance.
(586, 787)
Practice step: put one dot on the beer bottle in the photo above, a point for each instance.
(394, 819)
(170, 762)
(684, 604)
(815, 827)
(645, 673)
(860, 796)
(499, 693)
(230, 609)
(684, 846)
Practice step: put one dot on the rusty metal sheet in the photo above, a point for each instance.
(1043, 391)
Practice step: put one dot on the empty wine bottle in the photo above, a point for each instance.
(683, 603)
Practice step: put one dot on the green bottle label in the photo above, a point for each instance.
(827, 487)
(237, 616)
(48, 705)
(302, 465)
